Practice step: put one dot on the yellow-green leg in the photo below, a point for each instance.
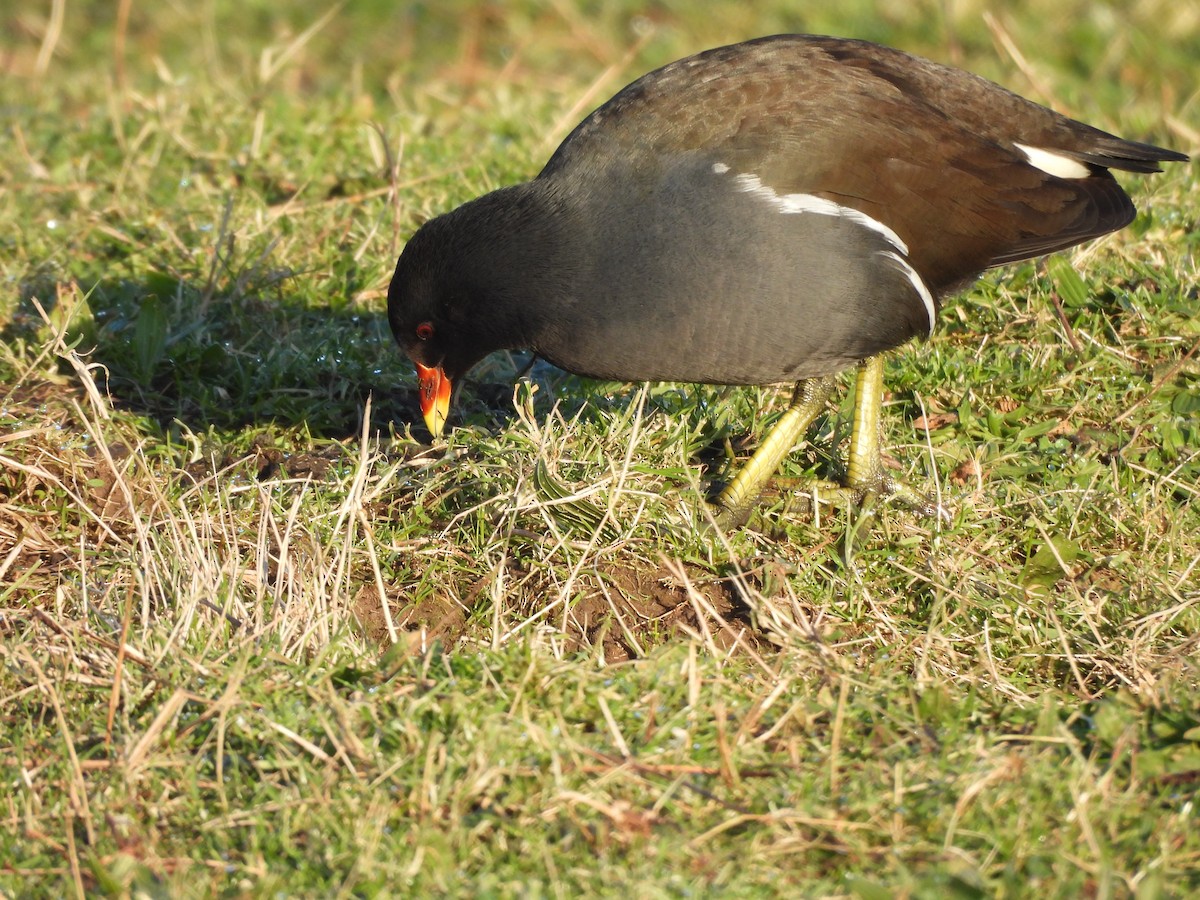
(735, 502)
(864, 462)
(865, 473)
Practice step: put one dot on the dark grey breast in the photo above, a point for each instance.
(685, 270)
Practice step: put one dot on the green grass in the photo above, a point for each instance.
(258, 639)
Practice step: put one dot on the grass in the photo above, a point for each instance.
(257, 638)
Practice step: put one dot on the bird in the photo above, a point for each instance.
(772, 211)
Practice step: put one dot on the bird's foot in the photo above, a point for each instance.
(863, 496)
(881, 488)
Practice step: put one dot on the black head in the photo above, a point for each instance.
(471, 281)
(429, 303)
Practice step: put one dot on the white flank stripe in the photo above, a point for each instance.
(917, 283)
(1053, 163)
(807, 203)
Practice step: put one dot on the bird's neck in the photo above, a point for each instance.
(515, 259)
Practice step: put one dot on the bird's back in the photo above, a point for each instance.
(942, 156)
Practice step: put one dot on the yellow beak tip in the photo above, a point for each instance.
(435, 421)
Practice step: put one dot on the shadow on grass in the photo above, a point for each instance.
(176, 351)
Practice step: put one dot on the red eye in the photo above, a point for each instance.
(424, 331)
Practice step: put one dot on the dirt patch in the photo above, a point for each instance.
(426, 621)
(265, 462)
(629, 610)
(624, 609)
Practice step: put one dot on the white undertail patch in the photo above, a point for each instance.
(1053, 163)
(808, 203)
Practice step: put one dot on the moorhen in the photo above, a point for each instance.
(771, 211)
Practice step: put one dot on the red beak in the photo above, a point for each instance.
(435, 397)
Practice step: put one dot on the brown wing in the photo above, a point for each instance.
(928, 150)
